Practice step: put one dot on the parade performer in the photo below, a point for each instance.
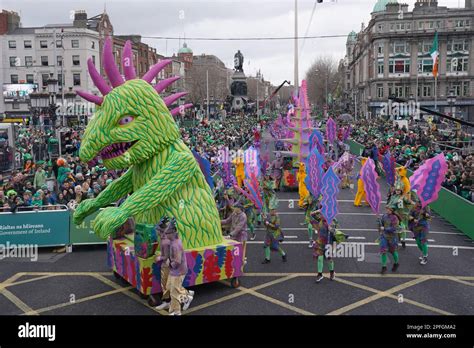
(133, 129)
(238, 224)
(360, 195)
(251, 213)
(324, 239)
(310, 204)
(402, 205)
(239, 170)
(269, 195)
(419, 225)
(345, 169)
(402, 175)
(302, 190)
(388, 239)
(277, 170)
(163, 258)
(273, 237)
(178, 269)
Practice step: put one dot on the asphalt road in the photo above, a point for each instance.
(80, 283)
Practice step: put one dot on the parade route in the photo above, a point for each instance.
(80, 283)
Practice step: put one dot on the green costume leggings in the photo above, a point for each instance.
(321, 263)
(422, 246)
(268, 252)
(383, 258)
(251, 227)
(310, 232)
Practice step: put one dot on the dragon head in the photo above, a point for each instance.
(132, 122)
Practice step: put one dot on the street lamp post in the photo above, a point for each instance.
(52, 90)
(451, 101)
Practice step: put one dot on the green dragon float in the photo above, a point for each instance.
(133, 128)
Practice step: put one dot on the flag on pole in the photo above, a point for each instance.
(435, 55)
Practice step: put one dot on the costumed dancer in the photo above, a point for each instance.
(238, 224)
(310, 204)
(277, 170)
(360, 195)
(388, 239)
(164, 269)
(419, 225)
(178, 269)
(324, 238)
(251, 213)
(403, 184)
(402, 205)
(239, 170)
(302, 190)
(269, 195)
(273, 237)
(347, 165)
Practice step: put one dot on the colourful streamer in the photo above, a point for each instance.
(428, 179)
(371, 186)
(330, 190)
(314, 172)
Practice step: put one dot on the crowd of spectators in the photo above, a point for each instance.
(39, 181)
(419, 142)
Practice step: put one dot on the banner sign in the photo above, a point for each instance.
(43, 228)
(83, 233)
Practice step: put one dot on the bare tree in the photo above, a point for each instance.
(323, 77)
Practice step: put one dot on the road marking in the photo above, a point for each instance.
(363, 275)
(19, 303)
(24, 281)
(358, 229)
(238, 294)
(376, 244)
(415, 303)
(356, 237)
(339, 200)
(461, 281)
(84, 299)
(129, 294)
(377, 296)
(274, 301)
(291, 237)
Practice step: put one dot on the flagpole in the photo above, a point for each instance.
(436, 93)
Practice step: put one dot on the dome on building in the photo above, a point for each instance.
(185, 49)
(380, 5)
(352, 36)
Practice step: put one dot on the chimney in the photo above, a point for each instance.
(80, 19)
(9, 21)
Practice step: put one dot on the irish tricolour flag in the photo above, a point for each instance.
(435, 55)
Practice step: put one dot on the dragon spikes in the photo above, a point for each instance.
(113, 74)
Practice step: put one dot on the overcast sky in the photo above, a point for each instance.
(223, 18)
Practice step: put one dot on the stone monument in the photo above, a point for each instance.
(238, 87)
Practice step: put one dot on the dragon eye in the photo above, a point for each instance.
(126, 120)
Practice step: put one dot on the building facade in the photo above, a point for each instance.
(391, 57)
(29, 55)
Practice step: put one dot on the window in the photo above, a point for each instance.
(420, 25)
(457, 64)
(456, 87)
(466, 89)
(75, 43)
(59, 43)
(93, 44)
(44, 79)
(426, 91)
(60, 79)
(379, 91)
(28, 61)
(380, 67)
(396, 91)
(425, 65)
(27, 43)
(16, 106)
(12, 44)
(29, 78)
(76, 79)
(399, 66)
(44, 61)
(462, 23)
(43, 44)
(458, 45)
(380, 28)
(14, 78)
(14, 62)
(380, 49)
(75, 60)
(424, 47)
(59, 60)
(398, 47)
(93, 60)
